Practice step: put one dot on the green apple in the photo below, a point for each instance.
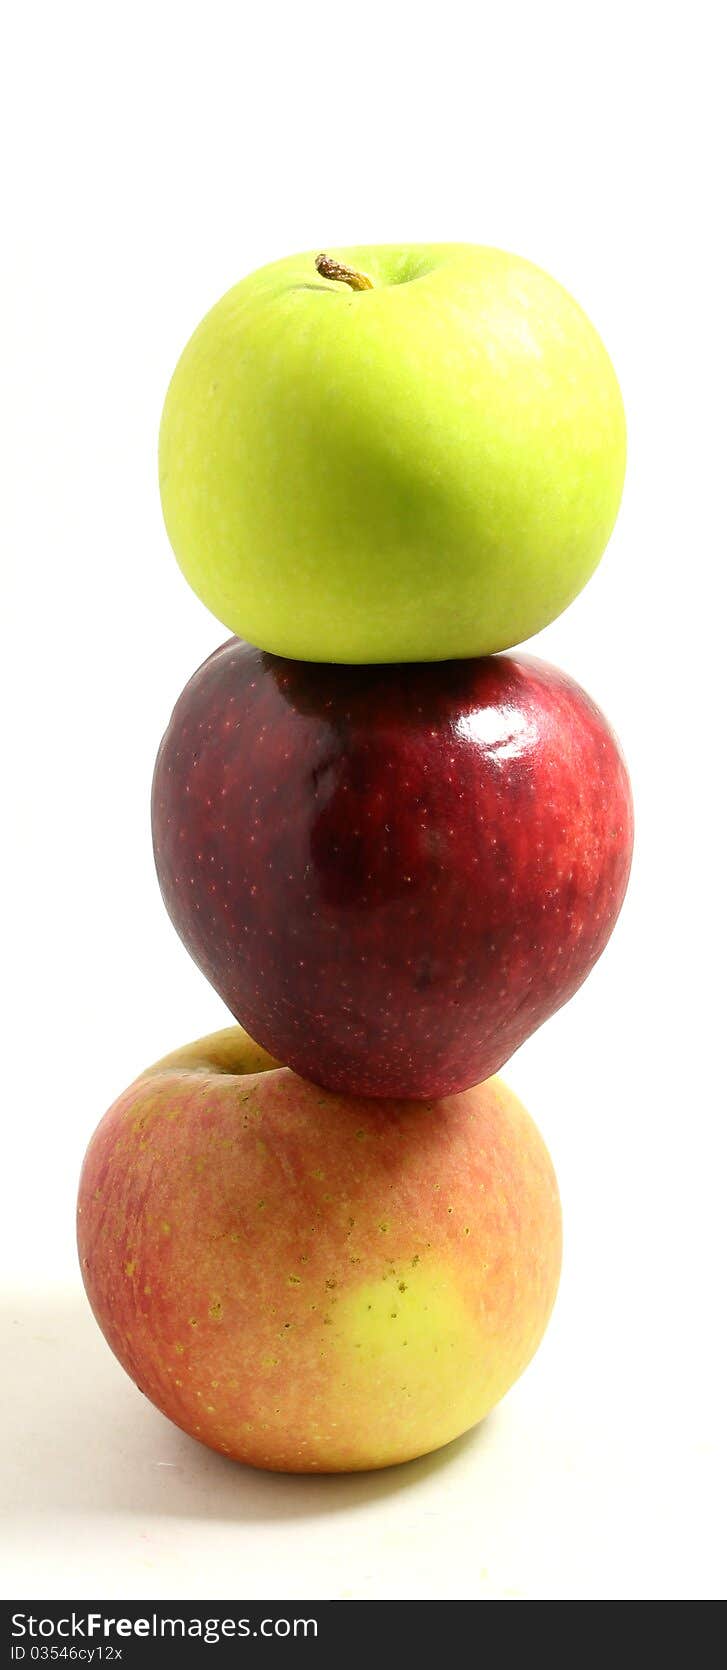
(392, 454)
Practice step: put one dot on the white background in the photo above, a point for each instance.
(152, 155)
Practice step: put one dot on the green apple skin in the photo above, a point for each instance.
(425, 470)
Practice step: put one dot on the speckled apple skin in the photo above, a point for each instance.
(313, 1283)
(391, 875)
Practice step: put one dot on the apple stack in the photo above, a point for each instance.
(331, 1240)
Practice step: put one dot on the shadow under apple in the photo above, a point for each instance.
(78, 1436)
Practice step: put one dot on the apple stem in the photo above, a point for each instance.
(328, 268)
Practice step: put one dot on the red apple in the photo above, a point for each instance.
(393, 874)
(311, 1282)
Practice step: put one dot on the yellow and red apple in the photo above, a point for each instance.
(310, 1282)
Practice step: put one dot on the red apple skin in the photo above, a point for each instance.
(309, 1282)
(391, 875)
